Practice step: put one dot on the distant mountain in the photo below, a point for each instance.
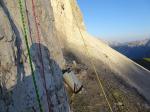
(133, 50)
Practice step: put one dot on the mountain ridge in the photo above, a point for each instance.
(134, 49)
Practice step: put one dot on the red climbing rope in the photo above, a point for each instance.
(40, 55)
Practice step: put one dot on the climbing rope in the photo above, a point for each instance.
(40, 51)
(28, 50)
(116, 98)
(94, 68)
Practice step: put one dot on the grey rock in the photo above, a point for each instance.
(1, 36)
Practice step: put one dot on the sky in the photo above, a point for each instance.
(117, 20)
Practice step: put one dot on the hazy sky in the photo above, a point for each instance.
(122, 20)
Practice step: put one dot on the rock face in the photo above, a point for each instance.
(17, 92)
(70, 25)
(59, 22)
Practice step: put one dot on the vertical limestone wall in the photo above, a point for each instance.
(17, 92)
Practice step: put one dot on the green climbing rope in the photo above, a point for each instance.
(27, 45)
